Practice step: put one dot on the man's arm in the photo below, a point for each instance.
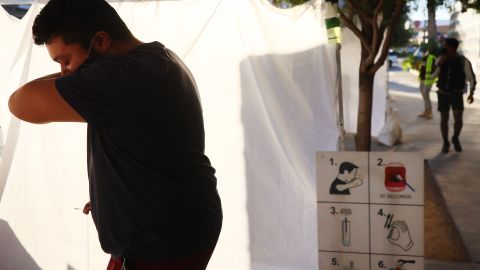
(39, 102)
(355, 183)
(470, 78)
(440, 60)
(51, 76)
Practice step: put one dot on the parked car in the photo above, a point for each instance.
(392, 58)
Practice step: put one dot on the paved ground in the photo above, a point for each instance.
(457, 175)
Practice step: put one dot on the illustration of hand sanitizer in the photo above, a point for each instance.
(346, 232)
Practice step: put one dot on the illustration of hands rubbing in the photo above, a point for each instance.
(399, 235)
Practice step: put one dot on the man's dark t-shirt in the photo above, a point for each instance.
(152, 189)
(334, 188)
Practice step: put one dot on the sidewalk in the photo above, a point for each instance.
(456, 173)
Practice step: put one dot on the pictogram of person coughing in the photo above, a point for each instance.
(346, 179)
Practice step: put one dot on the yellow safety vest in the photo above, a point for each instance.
(429, 70)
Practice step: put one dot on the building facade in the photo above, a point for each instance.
(466, 28)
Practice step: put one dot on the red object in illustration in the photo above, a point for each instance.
(395, 177)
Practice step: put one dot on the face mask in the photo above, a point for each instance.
(92, 54)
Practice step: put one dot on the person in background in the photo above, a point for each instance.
(454, 70)
(153, 191)
(427, 67)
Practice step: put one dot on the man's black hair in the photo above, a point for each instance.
(77, 21)
(453, 42)
(347, 166)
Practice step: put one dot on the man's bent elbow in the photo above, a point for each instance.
(12, 106)
(16, 108)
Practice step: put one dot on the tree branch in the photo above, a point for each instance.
(377, 31)
(350, 25)
(378, 8)
(399, 5)
(360, 11)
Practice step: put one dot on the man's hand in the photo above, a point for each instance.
(87, 208)
(399, 235)
(441, 59)
(470, 99)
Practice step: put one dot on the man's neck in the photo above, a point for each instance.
(453, 55)
(124, 47)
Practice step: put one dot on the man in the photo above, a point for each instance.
(427, 66)
(346, 179)
(152, 190)
(453, 72)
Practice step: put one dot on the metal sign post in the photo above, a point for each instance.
(334, 33)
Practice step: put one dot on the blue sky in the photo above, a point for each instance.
(421, 13)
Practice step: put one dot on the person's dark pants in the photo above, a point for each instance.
(455, 102)
(197, 261)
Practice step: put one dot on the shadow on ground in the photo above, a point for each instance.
(442, 239)
(403, 88)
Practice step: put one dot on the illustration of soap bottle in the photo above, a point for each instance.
(346, 232)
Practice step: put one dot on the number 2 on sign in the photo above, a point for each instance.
(380, 162)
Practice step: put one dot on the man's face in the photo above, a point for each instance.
(351, 175)
(450, 50)
(69, 56)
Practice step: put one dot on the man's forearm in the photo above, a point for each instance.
(50, 76)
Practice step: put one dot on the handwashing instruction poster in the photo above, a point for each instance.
(370, 210)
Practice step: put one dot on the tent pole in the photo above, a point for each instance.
(341, 123)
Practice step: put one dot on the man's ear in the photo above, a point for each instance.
(102, 42)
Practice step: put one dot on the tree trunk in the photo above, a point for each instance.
(432, 20)
(364, 120)
(375, 44)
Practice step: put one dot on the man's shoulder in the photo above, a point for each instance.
(463, 58)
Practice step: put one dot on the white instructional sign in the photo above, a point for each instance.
(370, 210)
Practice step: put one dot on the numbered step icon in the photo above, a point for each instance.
(397, 230)
(343, 261)
(396, 178)
(342, 177)
(343, 227)
(380, 262)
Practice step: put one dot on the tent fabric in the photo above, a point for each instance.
(266, 78)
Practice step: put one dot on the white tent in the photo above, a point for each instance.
(267, 82)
